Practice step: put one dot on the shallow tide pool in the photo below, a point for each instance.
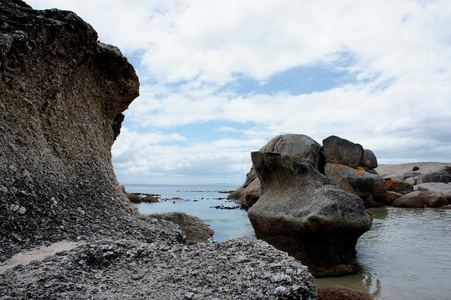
(405, 255)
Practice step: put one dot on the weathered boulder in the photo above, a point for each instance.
(441, 175)
(359, 182)
(436, 187)
(369, 159)
(343, 152)
(391, 197)
(195, 229)
(150, 199)
(134, 198)
(412, 200)
(435, 200)
(341, 293)
(398, 186)
(295, 144)
(307, 214)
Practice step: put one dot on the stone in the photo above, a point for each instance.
(341, 293)
(448, 206)
(195, 229)
(149, 199)
(296, 144)
(133, 198)
(411, 180)
(436, 187)
(391, 197)
(435, 200)
(307, 214)
(441, 175)
(253, 193)
(413, 200)
(128, 269)
(398, 186)
(369, 159)
(359, 182)
(343, 152)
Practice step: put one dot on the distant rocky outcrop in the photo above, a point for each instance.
(351, 167)
(61, 103)
(410, 184)
(307, 214)
(347, 163)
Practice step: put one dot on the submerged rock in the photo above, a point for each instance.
(307, 214)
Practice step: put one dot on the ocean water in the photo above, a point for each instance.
(405, 255)
(200, 201)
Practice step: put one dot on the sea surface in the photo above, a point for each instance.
(405, 255)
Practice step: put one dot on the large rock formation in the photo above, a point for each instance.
(295, 144)
(351, 167)
(307, 214)
(62, 94)
(347, 163)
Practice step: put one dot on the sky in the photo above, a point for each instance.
(220, 78)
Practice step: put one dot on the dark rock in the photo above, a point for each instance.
(343, 152)
(149, 199)
(369, 159)
(341, 293)
(448, 206)
(391, 197)
(412, 200)
(195, 229)
(359, 182)
(398, 186)
(441, 175)
(134, 198)
(307, 214)
(435, 200)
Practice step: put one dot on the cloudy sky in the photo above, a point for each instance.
(220, 78)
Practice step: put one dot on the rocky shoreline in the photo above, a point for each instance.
(63, 94)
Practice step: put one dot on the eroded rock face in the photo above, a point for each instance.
(343, 152)
(61, 94)
(300, 145)
(307, 214)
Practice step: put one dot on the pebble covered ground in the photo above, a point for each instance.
(129, 269)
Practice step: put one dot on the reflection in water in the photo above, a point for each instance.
(405, 255)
